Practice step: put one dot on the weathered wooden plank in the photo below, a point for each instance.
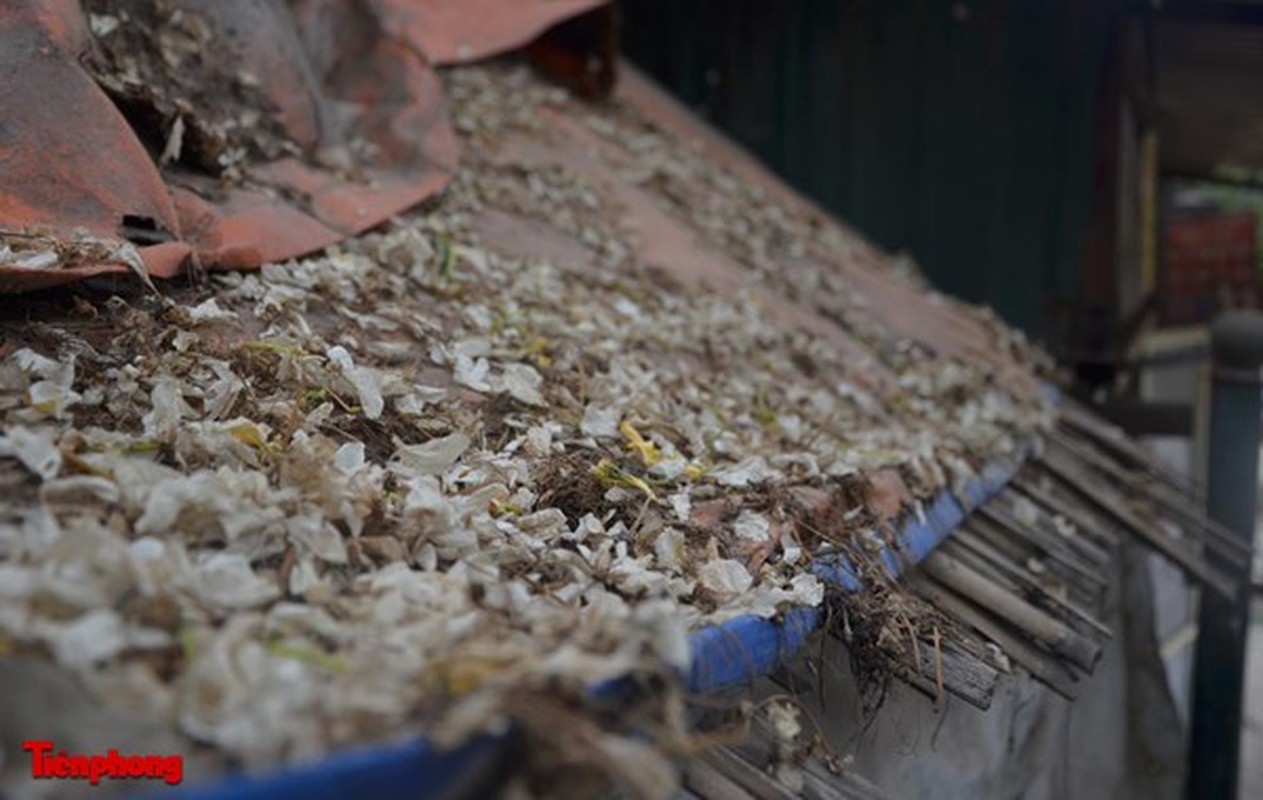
(1039, 664)
(1193, 564)
(819, 783)
(1082, 518)
(1184, 503)
(1084, 590)
(1195, 521)
(705, 779)
(1097, 458)
(1006, 548)
(1081, 544)
(1046, 543)
(967, 541)
(1001, 571)
(964, 674)
(1035, 590)
(1112, 438)
(1052, 632)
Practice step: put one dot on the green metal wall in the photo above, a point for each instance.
(961, 132)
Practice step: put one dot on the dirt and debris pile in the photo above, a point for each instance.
(402, 485)
(177, 76)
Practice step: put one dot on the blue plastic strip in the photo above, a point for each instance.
(729, 654)
(403, 771)
(745, 648)
(724, 656)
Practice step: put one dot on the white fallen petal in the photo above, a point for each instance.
(367, 382)
(806, 589)
(725, 578)
(539, 441)
(51, 397)
(32, 363)
(226, 581)
(221, 395)
(167, 411)
(431, 458)
(752, 527)
(791, 552)
(36, 448)
(548, 523)
(682, 505)
(668, 548)
(209, 311)
(79, 490)
(318, 537)
(670, 632)
(350, 458)
(96, 636)
(472, 373)
(522, 383)
(750, 471)
(785, 721)
(1026, 512)
(600, 421)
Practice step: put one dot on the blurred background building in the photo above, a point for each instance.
(1079, 137)
(1091, 169)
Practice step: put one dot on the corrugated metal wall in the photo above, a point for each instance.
(959, 131)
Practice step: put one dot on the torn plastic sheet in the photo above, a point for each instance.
(225, 135)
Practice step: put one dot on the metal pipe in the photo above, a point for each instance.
(1232, 487)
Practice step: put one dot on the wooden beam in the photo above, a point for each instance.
(964, 674)
(1053, 633)
(1191, 563)
(1038, 593)
(1052, 548)
(1081, 518)
(1175, 503)
(1039, 664)
(1111, 438)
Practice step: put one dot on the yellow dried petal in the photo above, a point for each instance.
(308, 655)
(537, 350)
(610, 474)
(638, 444)
(249, 434)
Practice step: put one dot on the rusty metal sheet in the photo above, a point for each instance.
(461, 31)
(357, 119)
(226, 135)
